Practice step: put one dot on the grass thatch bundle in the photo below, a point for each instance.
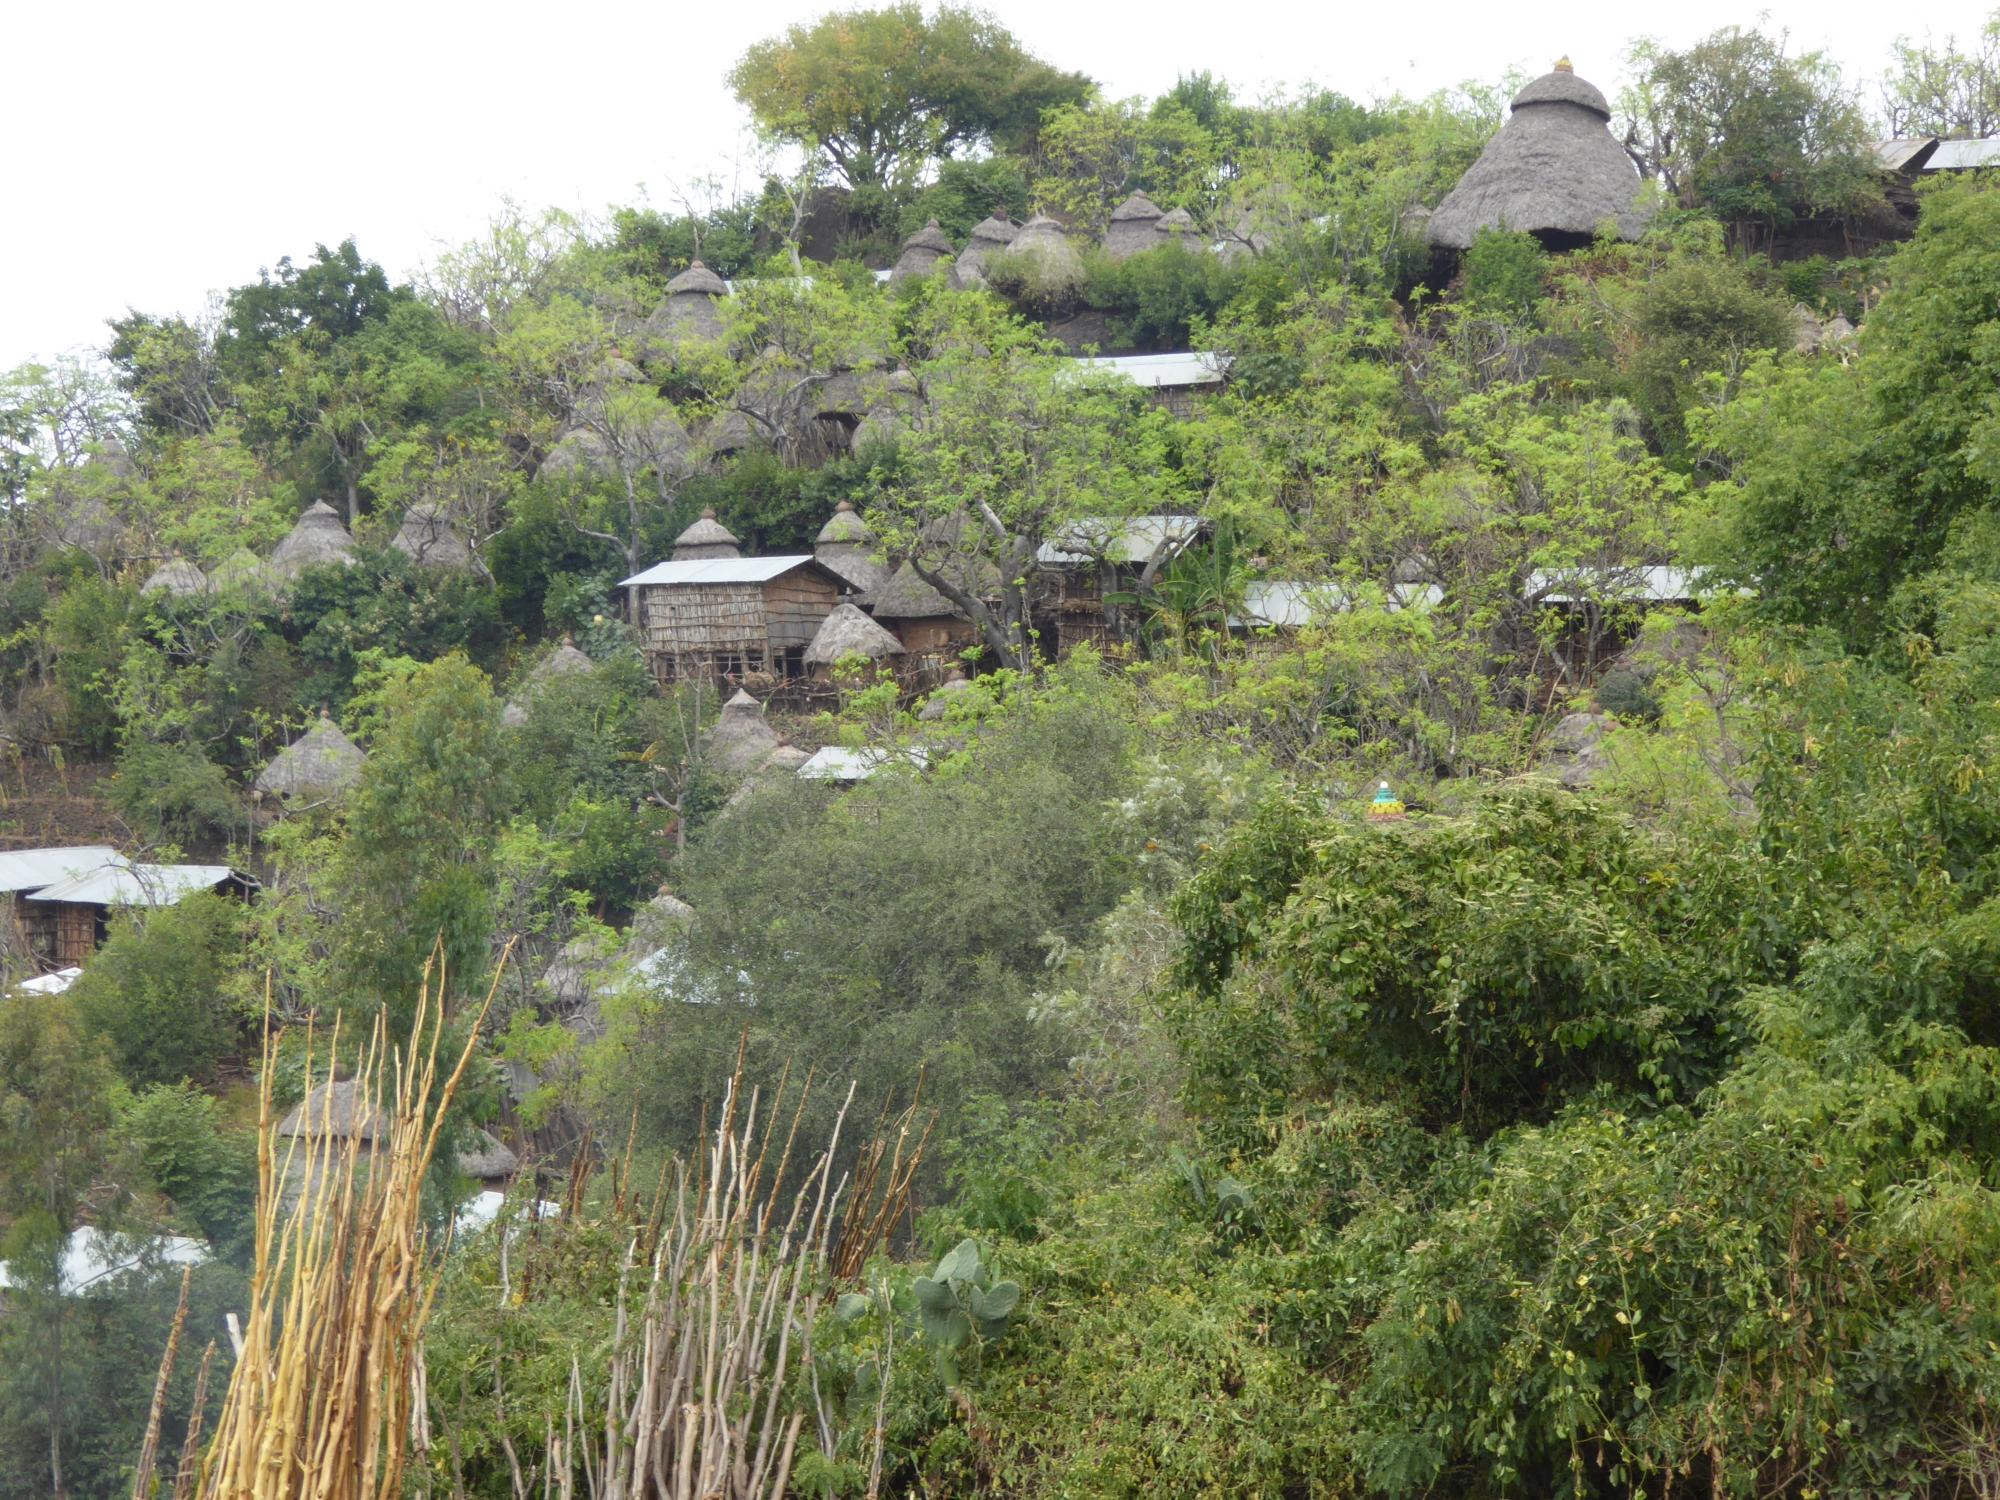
(328, 1375)
(317, 766)
(317, 539)
(1554, 171)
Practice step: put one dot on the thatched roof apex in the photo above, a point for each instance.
(335, 1111)
(740, 702)
(993, 232)
(845, 525)
(706, 532)
(698, 278)
(848, 632)
(176, 576)
(565, 661)
(1137, 207)
(426, 537)
(1553, 169)
(319, 763)
(319, 537)
(930, 237)
(1562, 86)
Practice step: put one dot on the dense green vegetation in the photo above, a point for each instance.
(1624, 1120)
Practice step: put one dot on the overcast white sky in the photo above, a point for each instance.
(166, 150)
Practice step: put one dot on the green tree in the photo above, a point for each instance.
(163, 990)
(1946, 89)
(884, 92)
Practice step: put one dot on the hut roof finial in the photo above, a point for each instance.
(1564, 65)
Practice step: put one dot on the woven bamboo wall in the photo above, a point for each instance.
(76, 934)
(700, 629)
(796, 605)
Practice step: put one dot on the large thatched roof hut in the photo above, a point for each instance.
(565, 661)
(707, 537)
(921, 251)
(178, 577)
(989, 236)
(317, 539)
(426, 537)
(846, 546)
(690, 306)
(845, 633)
(1131, 232)
(1047, 258)
(741, 740)
(1553, 171)
(316, 767)
(242, 572)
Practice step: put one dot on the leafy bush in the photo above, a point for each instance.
(173, 794)
(1506, 273)
(164, 990)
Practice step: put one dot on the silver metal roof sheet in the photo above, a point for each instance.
(31, 869)
(1960, 156)
(1629, 585)
(1191, 367)
(1119, 539)
(718, 570)
(134, 885)
(842, 763)
(1289, 604)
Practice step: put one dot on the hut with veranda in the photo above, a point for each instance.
(722, 618)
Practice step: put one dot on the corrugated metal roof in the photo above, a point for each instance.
(1961, 156)
(840, 763)
(1119, 539)
(134, 885)
(718, 570)
(1285, 604)
(91, 1255)
(1191, 367)
(30, 869)
(50, 984)
(1903, 152)
(1629, 585)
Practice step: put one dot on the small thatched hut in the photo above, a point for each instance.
(316, 767)
(317, 539)
(426, 537)
(929, 625)
(1177, 227)
(1553, 171)
(690, 307)
(938, 704)
(1047, 259)
(565, 661)
(1807, 330)
(846, 633)
(707, 537)
(847, 547)
(242, 572)
(741, 741)
(989, 236)
(921, 251)
(178, 577)
(1131, 232)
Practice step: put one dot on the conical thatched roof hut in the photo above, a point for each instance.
(848, 632)
(178, 577)
(1176, 226)
(241, 572)
(989, 236)
(938, 704)
(565, 661)
(1050, 260)
(1131, 232)
(907, 597)
(317, 539)
(1807, 331)
(921, 251)
(427, 539)
(318, 765)
(689, 308)
(485, 1158)
(846, 547)
(707, 537)
(1553, 171)
(741, 740)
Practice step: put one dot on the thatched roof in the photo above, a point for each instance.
(1131, 232)
(846, 547)
(707, 537)
(665, 444)
(1839, 330)
(1807, 331)
(336, 1111)
(1052, 261)
(565, 661)
(1554, 170)
(938, 704)
(1174, 225)
(689, 308)
(921, 251)
(989, 235)
(741, 740)
(317, 538)
(112, 455)
(176, 576)
(844, 525)
(486, 1158)
(86, 523)
(320, 763)
(907, 597)
(848, 632)
(427, 539)
(660, 921)
(241, 571)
